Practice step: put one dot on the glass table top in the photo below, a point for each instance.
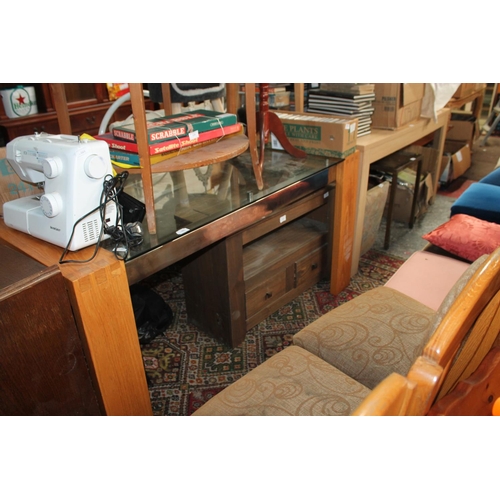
(190, 199)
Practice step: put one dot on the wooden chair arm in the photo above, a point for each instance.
(389, 398)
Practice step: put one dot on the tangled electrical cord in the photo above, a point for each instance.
(124, 237)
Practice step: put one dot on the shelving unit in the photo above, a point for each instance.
(79, 110)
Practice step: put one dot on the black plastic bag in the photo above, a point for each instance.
(152, 314)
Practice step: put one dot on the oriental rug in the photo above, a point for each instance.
(185, 367)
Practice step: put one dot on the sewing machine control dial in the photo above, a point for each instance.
(51, 167)
(95, 167)
(51, 204)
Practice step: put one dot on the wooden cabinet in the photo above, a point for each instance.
(87, 104)
(236, 283)
(43, 369)
(281, 265)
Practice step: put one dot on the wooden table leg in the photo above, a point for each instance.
(251, 116)
(343, 222)
(103, 310)
(392, 197)
(416, 192)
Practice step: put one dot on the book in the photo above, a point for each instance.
(171, 144)
(340, 103)
(160, 129)
(341, 106)
(341, 96)
(349, 88)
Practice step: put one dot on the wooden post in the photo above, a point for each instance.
(61, 107)
(298, 90)
(139, 112)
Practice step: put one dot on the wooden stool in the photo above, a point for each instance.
(394, 164)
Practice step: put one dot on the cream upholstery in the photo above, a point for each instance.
(292, 382)
(380, 332)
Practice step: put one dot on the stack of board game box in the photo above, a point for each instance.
(169, 136)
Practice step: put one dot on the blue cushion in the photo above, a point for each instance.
(479, 200)
(492, 177)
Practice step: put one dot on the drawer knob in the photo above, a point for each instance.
(314, 266)
(90, 119)
(268, 295)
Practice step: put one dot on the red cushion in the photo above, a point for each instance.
(466, 236)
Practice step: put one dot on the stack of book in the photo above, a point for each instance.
(354, 100)
(279, 95)
(169, 136)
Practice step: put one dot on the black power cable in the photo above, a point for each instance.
(124, 237)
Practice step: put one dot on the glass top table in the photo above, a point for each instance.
(204, 204)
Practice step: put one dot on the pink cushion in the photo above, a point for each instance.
(466, 236)
(427, 277)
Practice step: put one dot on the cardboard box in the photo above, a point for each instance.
(376, 198)
(397, 104)
(322, 135)
(11, 186)
(403, 200)
(465, 90)
(455, 162)
(463, 127)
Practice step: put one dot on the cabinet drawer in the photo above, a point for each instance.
(47, 126)
(87, 123)
(269, 291)
(309, 269)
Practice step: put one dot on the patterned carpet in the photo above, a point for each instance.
(185, 367)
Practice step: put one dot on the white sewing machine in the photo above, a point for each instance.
(72, 171)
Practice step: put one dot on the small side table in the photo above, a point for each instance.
(394, 164)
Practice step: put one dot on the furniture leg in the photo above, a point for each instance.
(438, 141)
(392, 197)
(415, 192)
(103, 310)
(216, 303)
(343, 221)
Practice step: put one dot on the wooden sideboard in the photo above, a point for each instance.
(101, 303)
(43, 370)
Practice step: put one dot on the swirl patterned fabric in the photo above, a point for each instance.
(379, 332)
(292, 382)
